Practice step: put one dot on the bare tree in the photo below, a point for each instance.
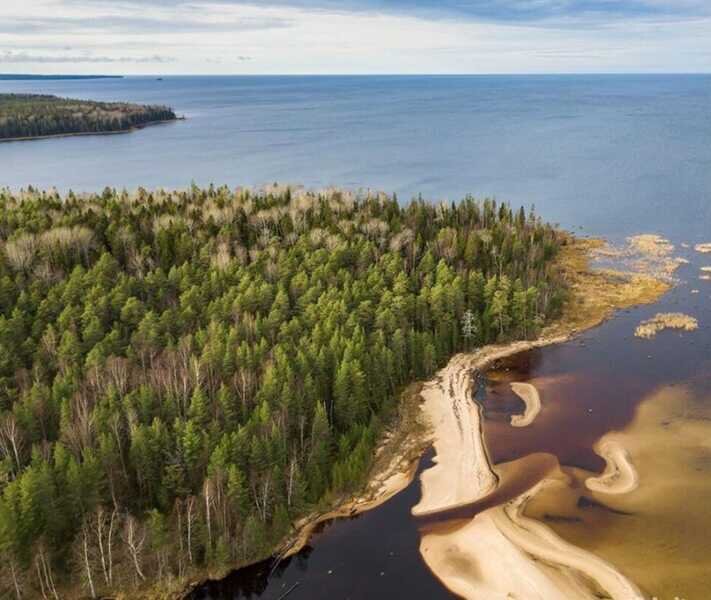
(208, 494)
(21, 251)
(11, 439)
(44, 574)
(104, 529)
(85, 557)
(190, 517)
(134, 536)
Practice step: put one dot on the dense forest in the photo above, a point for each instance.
(183, 374)
(34, 115)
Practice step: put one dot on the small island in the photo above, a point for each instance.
(32, 116)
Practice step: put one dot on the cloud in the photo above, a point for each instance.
(136, 25)
(359, 36)
(507, 11)
(10, 57)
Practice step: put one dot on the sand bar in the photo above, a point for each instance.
(461, 474)
(619, 476)
(529, 394)
(498, 554)
(703, 248)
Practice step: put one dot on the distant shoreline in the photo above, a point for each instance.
(133, 129)
(26, 77)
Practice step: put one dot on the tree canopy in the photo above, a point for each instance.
(182, 374)
(35, 115)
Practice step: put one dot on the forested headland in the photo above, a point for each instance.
(25, 116)
(183, 374)
(35, 77)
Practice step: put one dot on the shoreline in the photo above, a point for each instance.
(53, 136)
(595, 296)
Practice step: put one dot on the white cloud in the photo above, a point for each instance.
(228, 37)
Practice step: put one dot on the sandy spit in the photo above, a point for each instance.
(499, 554)
(619, 476)
(703, 248)
(462, 473)
(529, 394)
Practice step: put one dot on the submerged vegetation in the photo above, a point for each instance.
(661, 321)
(183, 374)
(34, 115)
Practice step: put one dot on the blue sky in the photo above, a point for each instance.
(355, 36)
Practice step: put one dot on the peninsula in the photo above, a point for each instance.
(209, 365)
(33, 116)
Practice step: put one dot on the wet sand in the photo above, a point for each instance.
(529, 394)
(620, 476)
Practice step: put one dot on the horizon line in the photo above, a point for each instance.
(336, 74)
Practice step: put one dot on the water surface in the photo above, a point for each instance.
(613, 154)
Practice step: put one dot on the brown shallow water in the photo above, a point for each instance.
(659, 533)
(655, 393)
(653, 396)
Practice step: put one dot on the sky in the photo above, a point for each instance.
(354, 36)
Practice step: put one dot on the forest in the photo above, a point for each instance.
(34, 115)
(183, 374)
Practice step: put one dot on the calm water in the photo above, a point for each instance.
(610, 153)
(613, 155)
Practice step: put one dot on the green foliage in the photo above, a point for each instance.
(34, 115)
(195, 369)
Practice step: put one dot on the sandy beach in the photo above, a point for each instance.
(461, 474)
(529, 394)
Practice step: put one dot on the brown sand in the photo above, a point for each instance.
(529, 394)
(703, 248)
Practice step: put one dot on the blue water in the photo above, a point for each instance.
(611, 154)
